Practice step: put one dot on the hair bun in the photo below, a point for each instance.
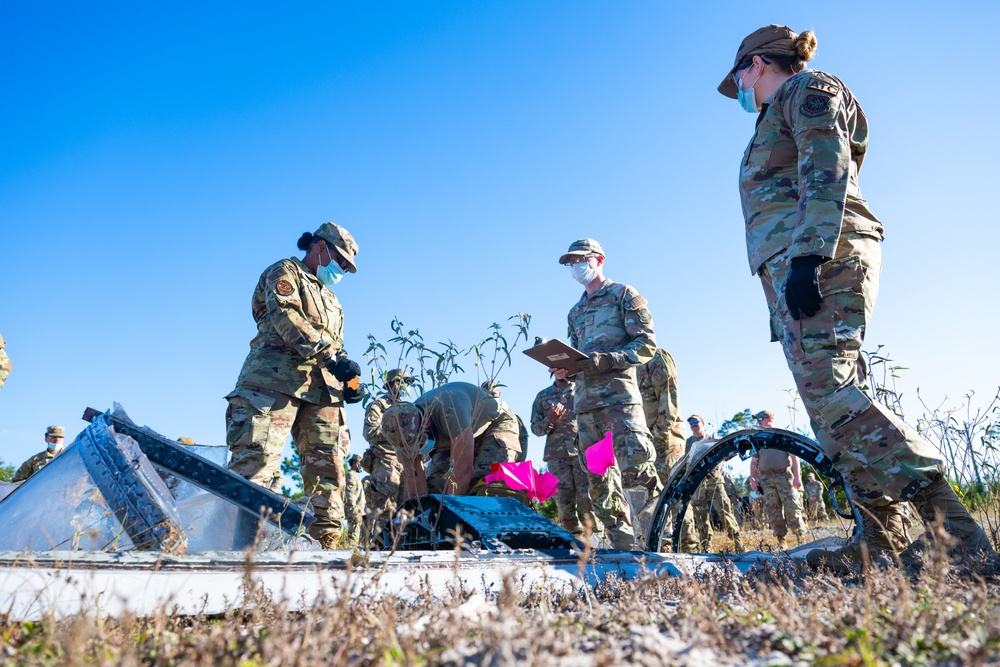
(305, 241)
(805, 45)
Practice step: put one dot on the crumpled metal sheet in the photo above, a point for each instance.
(121, 487)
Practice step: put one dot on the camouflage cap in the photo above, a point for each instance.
(491, 387)
(55, 432)
(355, 458)
(769, 39)
(401, 424)
(186, 440)
(582, 248)
(398, 375)
(696, 418)
(763, 414)
(342, 240)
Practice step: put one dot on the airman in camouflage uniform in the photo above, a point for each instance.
(815, 245)
(4, 362)
(552, 417)
(657, 380)
(354, 500)
(385, 490)
(778, 476)
(54, 438)
(815, 507)
(612, 325)
(492, 387)
(296, 379)
(658, 387)
(711, 494)
(466, 430)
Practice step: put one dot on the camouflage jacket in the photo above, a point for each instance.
(379, 447)
(814, 489)
(799, 177)
(33, 465)
(658, 387)
(560, 439)
(4, 362)
(300, 325)
(616, 321)
(354, 495)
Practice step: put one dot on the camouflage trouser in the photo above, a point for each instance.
(634, 467)
(669, 449)
(881, 458)
(497, 444)
(781, 503)
(816, 509)
(257, 425)
(355, 521)
(712, 495)
(384, 491)
(573, 494)
(634, 451)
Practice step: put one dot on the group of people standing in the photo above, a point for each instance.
(812, 241)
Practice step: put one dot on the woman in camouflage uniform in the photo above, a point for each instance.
(815, 246)
(297, 378)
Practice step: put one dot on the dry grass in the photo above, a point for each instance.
(772, 616)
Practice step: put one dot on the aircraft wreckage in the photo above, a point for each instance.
(126, 519)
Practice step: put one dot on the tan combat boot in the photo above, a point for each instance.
(938, 499)
(882, 536)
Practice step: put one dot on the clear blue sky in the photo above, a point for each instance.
(156, 158)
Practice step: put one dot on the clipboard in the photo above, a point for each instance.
(556, 354)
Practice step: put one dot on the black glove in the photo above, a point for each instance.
(802, 288)
(344, 369)
(349, 373)
(354, 392)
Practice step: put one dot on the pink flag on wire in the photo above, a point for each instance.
(600, 455)
(522, 476)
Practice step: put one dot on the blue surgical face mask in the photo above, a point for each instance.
(746, 97)
(428, 447)
(330, 274)
(583, 273)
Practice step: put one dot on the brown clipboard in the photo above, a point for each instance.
(556, 354)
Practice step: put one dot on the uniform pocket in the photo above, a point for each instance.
(839, 326)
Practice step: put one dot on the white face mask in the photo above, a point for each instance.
(583, 273)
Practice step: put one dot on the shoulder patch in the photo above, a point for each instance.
(815, 105)
(638, 302)
(284, 288)
(828, 87)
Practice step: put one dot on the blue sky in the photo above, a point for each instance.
(155, 159)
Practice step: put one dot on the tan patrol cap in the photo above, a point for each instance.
(398, 375)
(186, 440)
(769, 39)
(55, 432)
(342, 240)
(582, 248)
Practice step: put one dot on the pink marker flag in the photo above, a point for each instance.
(600, 455)
(522, 476)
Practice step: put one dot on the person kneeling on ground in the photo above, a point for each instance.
(463, 430)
